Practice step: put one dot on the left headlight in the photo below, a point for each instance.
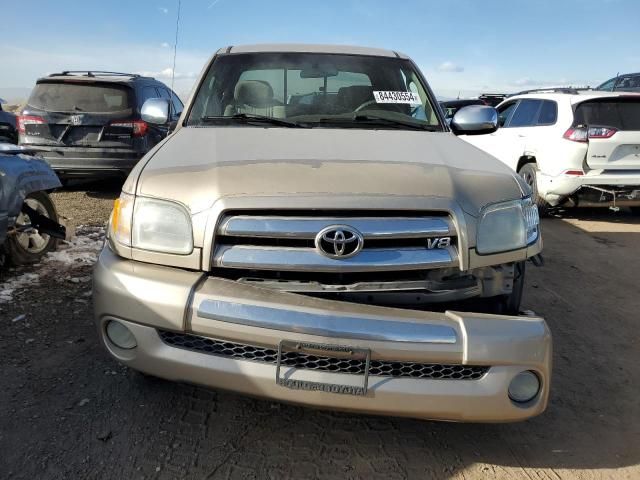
(507, 226)
(152, 224)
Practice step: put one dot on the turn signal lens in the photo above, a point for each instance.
(121, 217)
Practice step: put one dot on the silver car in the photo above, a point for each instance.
(301, 236)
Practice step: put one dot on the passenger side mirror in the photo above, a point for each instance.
(475, 120)
(155, 111)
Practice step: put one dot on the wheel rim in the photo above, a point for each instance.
(32, 242)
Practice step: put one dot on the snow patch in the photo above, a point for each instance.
(81, 251)
(8, 288)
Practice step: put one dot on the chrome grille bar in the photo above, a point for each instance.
(308, 227)
(309, 260)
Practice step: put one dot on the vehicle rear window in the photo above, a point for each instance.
(80, 97)
(622, 113)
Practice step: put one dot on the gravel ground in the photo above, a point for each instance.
(88, 203)
(69, 411)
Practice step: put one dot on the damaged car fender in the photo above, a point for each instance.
(25, 207)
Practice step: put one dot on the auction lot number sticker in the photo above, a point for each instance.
(397, 97)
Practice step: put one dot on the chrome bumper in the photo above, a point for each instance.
(148, 298)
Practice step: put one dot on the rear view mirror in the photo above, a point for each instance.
(155, 111)
(475, 120)
(319, 70)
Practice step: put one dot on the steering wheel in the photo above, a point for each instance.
(363, 106)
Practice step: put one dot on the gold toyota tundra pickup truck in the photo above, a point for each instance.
(298, 233)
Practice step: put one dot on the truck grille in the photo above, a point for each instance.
(278, 250)
(382, 368)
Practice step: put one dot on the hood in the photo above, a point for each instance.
(197, 166)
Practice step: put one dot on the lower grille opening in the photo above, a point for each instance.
(382, 368)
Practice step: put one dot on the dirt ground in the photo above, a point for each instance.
(68, 411)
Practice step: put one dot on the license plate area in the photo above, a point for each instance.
(327, 350)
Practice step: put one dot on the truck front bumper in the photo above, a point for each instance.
(218, 333)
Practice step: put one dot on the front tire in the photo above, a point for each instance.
(30, 247)
(529, 173)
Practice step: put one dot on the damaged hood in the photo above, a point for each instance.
(20, 175)
(197, 166)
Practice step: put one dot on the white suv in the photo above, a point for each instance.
(573, 148)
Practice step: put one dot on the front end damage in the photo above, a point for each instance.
(188, 326)
(257, 310)
(22, 174)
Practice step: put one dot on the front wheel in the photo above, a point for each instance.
(529, 174)
(29, 245)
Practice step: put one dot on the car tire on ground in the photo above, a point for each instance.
(510, 304)
(529, 173)
(30, 247)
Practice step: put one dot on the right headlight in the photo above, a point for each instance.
(507, 226)
(151, 224)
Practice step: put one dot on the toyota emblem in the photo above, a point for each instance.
(339, 241)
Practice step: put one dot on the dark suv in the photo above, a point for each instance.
(88, 123)
(629, 82)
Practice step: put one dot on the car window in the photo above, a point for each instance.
(164, 93)
(608, 85)
(80, 97)
(548, 113)
(629, 83)
(177, 105)
(505, 111)
(149, 92)
(526, 113)
(327, 90)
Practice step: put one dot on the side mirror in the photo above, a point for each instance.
(155, 111)
(475, 120)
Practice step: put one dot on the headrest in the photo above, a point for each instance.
(255, 93)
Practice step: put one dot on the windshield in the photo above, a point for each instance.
(316, 90)
(80, 97)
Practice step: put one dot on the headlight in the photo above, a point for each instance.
(507, 226)
(151, 224)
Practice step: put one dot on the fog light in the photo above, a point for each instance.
(524, 387)
(120, 335)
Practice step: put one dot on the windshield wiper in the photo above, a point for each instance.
(249, 118)
(376, 120)
(373, 119)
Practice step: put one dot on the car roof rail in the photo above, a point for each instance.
(93, 73)
(568, 90)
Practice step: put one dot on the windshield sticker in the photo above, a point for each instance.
(397, 97)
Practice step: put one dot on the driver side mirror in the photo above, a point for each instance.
(475, 120)
(155, 111)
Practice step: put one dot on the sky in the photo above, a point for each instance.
(464, 47)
